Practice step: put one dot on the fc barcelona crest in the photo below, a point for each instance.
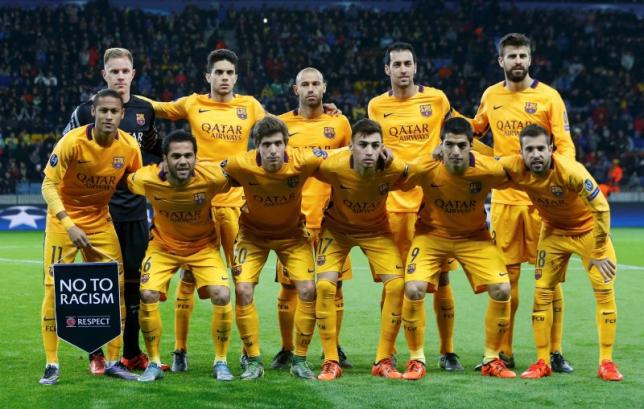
(475, 187)
(118, 162)
(241, 113)
(557, 190)
(383, 188)
(530, 107)
(321, 259)
(200, 197)
(293, 181)
(426, 110)
(329, 132)
(140, 119)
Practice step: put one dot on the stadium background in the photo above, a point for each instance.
(50, 60)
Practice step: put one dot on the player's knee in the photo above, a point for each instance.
(604, 295)
(219, 294)
(499, 292)
(443, 279)
(244, 293)
(306, 290)
(188, 277)
(395, 286)
(415, 290)
(325, 288)
(149, 296)
(543, 296)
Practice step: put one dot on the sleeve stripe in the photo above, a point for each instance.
(594, 194)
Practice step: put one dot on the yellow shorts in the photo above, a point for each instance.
(59, 248)
(281, 273)
(554, 252)
(333, 250)
(227, 225)
(479, 257)
(515, 230)
(159, 266)
(296, 254)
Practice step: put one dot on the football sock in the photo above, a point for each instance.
(514, 272)
(606, 316)
(339, 313)
(184, 304)
(326, 314)
(444, 310)
(248, 326)
(150, 320)
(390, 317)
(556, 333)
(304, 326)
(413, 318)
(221, 328)
(542, 322)
(131, 330)
(497, 320)
(48, 326)
(115, 345)
(286, 305)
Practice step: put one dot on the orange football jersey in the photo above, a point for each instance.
(411, 129)
(87, 174)
(324, 132)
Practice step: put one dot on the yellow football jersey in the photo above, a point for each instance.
(182, 224)
(505, 113)
(358, 203)
(222, 129)
(568, 198)
(273, 207)
(411, 129)
(454, 206)
(324, 132)
(87, 174)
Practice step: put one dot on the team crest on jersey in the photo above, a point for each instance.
(475, 187)
(241, 113)
(329, 132)
(53, 161)
(411, 268)
(145, 278)
(426, 110)
(200, 197)
(530, 107)
(140, 119)
(321, 259)
(236, 270)
(537, 273)
(383, 188)
(557, 190)
(118, 162)
(293, 181)
(588, 185)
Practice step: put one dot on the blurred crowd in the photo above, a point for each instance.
(50, 61)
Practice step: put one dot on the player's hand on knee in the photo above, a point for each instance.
(78, 237)
(606, 268)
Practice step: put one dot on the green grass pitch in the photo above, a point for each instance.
(22, 357)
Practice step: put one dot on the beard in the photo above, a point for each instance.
(512, 77)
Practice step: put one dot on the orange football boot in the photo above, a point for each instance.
(386, 369)
(497, 369)
(537, 370)
(415, 370)
(608, 371)
(331, 370)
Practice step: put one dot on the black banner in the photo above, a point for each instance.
(87, 303)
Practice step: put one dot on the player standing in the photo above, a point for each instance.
(183, 235)
(310, 127)
(80, 178)
(411, 117)
(452, 223)
(576, 220)
(221, 122)
(128, 211)
(506, 108)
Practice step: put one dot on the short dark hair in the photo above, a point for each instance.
(104, 93)
(533, 131)
(513, 40)
(365, 126)
(399, 46)
(178, 136)
(457, 126)
(221, 55)
(268, 126)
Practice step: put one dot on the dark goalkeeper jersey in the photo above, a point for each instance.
(138, 122)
